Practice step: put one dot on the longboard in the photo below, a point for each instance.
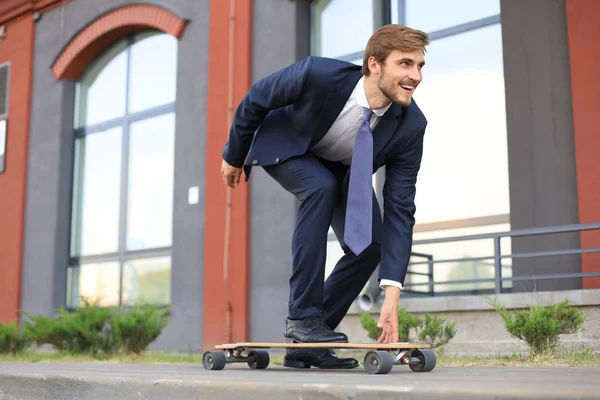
(379, 359)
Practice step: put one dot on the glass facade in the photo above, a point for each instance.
(124, 129)
(463, 182)
(341, 27)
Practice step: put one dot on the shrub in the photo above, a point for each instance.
(46, 330)
(140, 326)
(12, 339)
(431, 331)
(86, 330)
(98, 331)
(541, 326)
(91, 329)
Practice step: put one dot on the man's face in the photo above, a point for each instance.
(400, 75)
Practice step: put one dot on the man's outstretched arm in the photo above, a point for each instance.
(399, 209)
(398, 221)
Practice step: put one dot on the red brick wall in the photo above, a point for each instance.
(584, 48)
(222, 323)
(16, 48)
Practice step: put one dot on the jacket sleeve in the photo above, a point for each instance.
(399, 208)
(274, 91)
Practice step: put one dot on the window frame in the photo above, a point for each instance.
(4, 118)
(122, 255)
(6, 65)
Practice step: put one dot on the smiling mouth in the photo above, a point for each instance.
(408, 88)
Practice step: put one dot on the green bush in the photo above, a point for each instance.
(44, 330)
(541, 326)
(90, 329)
(12, 340)
(86, 330)
(140, 326)
(431, 331)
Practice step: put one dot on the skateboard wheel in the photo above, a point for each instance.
(214, 360)
(427, 360)
(378, 362)
(260, 360)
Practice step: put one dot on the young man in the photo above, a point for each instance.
(321, 128)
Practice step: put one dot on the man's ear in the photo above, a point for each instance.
(374, 66)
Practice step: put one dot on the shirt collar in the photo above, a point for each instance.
(361, 98)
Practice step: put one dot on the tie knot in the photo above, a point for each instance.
(368, 114)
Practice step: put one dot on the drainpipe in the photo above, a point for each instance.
(372, 292)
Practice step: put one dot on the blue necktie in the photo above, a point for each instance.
(359, 211)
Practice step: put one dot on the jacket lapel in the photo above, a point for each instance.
(333, 105)
(335, 102)
(386, 127)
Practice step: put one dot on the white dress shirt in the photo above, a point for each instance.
(338, 142)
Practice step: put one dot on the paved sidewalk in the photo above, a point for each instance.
(134, 381)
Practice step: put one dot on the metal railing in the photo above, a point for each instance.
(370, 295)
(497, 256)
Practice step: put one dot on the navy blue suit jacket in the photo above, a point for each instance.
(287, 112)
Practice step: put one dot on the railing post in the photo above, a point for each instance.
(497, 265)
(430, 264)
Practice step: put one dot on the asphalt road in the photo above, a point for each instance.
(137, 381)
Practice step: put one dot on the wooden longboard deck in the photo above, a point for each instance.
(377, 346)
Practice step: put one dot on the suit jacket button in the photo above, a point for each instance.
(255, 162)
(277, 160)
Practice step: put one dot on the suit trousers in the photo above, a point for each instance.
(322, 187)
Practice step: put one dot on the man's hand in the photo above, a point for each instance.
(388, 319)
(231, 175)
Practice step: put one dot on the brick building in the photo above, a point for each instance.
(113, 115)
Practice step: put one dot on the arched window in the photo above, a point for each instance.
(124, 132)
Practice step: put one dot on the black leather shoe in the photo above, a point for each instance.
(318, 358)
(312, 330)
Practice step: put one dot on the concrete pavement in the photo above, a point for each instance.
(97, 381)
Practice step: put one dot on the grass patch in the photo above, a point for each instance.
(556, 358)
(66, 357)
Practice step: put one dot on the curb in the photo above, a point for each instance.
(34, 387)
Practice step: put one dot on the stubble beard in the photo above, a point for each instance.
(390, 91)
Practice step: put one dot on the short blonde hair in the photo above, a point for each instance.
(389, 38)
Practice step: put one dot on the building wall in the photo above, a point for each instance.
(226, 213)
(542, 174)
(47, 222)
(15, 48)
(280, 37)
(187, 281)
(584, 52)
(551, 143)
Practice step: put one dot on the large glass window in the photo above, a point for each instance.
(123, 174)
(341, 27)
(463, 183)
(435, 15)
(465, 161)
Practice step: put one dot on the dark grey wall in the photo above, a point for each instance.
(543, 188)
(47, 213)
(280, 37)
